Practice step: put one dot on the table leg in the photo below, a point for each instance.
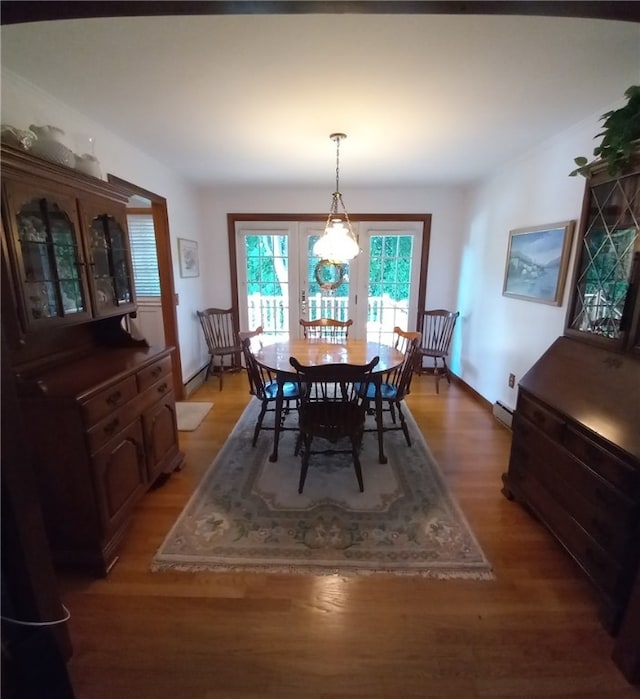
(278, 418)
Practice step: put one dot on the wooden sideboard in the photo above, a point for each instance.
(103, 430)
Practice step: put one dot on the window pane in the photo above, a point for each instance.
(143, 254)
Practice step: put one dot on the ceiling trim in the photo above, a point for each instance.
(19, 11)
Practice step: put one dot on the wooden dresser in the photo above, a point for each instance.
(575, 462)
(99, 406)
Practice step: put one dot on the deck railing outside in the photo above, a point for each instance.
(383, 313)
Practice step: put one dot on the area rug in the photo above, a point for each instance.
(246, 513)
(189, 415)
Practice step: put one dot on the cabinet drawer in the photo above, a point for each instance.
(604, 571)
(155, 392)
(563, 472)
(149, 375)
(620, 474)
(109, 426)
(542, 418)
(109, 400)
(615, 532)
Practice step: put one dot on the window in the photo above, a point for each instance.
(144, 257)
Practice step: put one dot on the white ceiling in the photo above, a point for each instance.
(252, 99)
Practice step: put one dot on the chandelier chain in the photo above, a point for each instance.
(338, 164)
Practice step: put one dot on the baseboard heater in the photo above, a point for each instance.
(503, 414)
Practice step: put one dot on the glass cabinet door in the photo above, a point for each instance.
(110, 275)
(48, 255)
(603, 301)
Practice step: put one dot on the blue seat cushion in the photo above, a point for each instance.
(289, 390)
(387, 390)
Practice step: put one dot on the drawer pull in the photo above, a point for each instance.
(156, 371)
(114, 398)
(162, 388)
(110, 427)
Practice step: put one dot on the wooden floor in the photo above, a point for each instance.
(532, 632)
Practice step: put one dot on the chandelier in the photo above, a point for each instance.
(338, 242)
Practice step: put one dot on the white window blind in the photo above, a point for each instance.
(143, 254)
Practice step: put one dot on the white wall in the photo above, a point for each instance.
(501, 335)
(24, 104)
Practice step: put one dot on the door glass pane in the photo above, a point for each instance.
(50, 260)
(118, 243)
(111, 277)
(328, 287)
(390, 260)
(607, 253)
(267, 257)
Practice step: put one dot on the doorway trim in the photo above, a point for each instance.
(232, 219)
(165, 273)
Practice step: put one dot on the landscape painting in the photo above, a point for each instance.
(537, 260)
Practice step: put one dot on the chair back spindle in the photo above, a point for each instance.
(326, 329)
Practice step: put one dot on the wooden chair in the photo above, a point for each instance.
(326, 329)
(253, 336)
(396, 385)
(217, 326)
(264, 386)
(332, 406)
(437, 330)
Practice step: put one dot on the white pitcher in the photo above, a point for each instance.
(49, 145)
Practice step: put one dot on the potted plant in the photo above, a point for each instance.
(620, 134)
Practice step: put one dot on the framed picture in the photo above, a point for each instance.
(188, 256)
(537, 260)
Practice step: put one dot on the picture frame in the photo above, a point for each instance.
(188, 257)
(537, 261)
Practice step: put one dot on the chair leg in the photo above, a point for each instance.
(436, 374)
(221, 371)
(305, 461)
(446, 371)
(355, 448)
(392, 410)
(403, 422)
(298, 444)
(256, 432)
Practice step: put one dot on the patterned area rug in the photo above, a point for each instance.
(246, 514)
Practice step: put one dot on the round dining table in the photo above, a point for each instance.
(315, 352)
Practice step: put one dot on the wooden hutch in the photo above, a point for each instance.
(99, 406)
(575, 456)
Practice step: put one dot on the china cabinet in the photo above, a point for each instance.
(99, 406)
(68, 252)
(575, 455)
(605, 305)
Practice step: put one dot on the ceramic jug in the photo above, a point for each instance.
(49, 145)
(88, 164)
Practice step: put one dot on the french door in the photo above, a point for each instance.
(279, 280)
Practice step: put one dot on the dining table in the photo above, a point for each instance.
(314, 352)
